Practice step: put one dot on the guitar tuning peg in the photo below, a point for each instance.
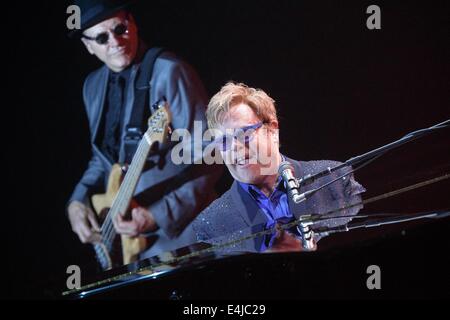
(161, 103)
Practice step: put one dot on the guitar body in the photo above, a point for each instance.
(131, 246)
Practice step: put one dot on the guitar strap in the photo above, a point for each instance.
(139, 115)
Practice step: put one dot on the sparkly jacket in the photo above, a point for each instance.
(236, 214)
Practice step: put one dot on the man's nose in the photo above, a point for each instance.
(237, 144)
(113, 39)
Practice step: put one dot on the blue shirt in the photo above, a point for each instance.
(275, 207)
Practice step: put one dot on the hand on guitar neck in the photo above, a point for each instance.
(84, 222)
(141, 221)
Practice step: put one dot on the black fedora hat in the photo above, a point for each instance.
(95, 11)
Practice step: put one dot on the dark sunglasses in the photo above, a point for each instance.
(244, 135)
(103, 38)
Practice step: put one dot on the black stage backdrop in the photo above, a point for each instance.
(340, 89)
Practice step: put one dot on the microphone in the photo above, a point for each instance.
(286, 171)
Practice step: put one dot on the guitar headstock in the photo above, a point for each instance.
(159, 123)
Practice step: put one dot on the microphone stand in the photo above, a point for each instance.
(306, 233)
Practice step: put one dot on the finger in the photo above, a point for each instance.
(81, 237)
(138, 217)
(118, 222)
(93, 221)
(137, 212)
(95, 237)
(125, 227)
(144, 220)
(84, 233)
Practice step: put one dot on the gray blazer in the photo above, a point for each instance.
(236, 215)
(175, 194)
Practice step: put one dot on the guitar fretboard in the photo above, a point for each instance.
(126, 190)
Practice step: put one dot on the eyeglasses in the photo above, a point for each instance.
(103, 37)
(244, 135)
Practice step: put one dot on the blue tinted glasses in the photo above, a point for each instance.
(243, 135)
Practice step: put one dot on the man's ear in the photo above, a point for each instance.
(87, 44)
(273, 128)
(273, 124)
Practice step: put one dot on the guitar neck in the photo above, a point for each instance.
(158, 130)
(128, 185)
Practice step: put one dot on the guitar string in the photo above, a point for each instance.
(117, 201)
(108, 231)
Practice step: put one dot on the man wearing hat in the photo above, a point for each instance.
(169, 195)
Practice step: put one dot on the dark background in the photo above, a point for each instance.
(340, 90)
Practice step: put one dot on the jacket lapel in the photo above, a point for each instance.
(246, 205)
(98, 101)
(253, 216)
